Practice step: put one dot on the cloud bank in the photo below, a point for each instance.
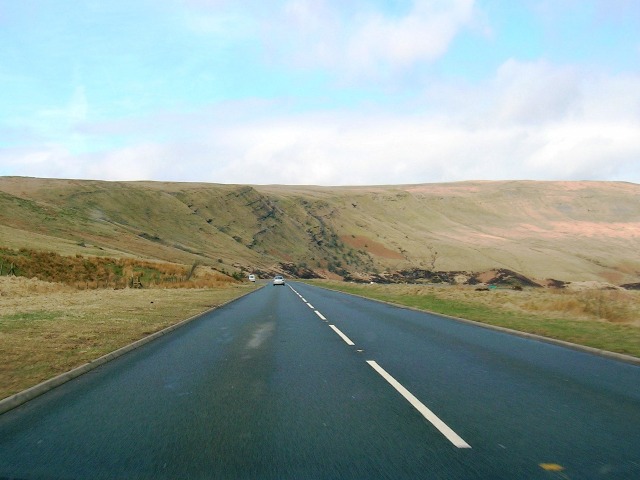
(404, 122)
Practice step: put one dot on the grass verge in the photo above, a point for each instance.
(540, 311)
(47, 331)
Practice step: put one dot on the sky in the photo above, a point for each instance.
(320, 92)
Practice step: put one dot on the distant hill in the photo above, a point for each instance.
(570, 231)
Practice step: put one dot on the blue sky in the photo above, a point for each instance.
(320, 92)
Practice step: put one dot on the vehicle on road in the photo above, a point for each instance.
(252, 278)
(278, 280)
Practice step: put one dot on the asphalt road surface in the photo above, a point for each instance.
(296, 382)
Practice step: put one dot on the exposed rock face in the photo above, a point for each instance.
(298, 271)
(498, 277)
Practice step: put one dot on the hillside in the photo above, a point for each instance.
(571, 231)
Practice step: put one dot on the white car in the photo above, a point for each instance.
(252, 278)
(278, 280)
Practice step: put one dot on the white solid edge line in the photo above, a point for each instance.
(452, 436)
(321, 316)
(342, 335)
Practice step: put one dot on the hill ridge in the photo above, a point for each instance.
(571, 231)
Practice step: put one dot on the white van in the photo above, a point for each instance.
(252, 278)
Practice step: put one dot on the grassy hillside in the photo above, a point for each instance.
(572, 231)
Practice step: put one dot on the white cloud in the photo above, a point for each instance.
(346, 148)
(531, 121)
(422, 35)
(139, 162)
(49, 161)
(586, 150)
(361, 41)
(536, 92)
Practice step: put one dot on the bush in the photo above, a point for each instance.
(95, 272)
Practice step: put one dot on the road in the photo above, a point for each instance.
(299, 382)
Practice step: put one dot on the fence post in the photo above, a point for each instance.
(135, 282)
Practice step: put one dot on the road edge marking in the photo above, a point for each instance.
(452, 436)
(20, 398)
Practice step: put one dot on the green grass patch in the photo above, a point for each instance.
(24, 318)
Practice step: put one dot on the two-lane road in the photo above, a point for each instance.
(300, 382)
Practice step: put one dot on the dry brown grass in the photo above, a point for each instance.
(47, 328)
(615, 306)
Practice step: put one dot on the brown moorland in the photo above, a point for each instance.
(571, 231)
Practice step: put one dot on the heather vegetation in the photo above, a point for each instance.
(103, 272)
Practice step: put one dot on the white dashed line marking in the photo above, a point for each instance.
(442, 427)
(418, 405)
(342, 335)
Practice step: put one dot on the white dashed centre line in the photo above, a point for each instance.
(442, 427)
(342, 335)
(418, 405)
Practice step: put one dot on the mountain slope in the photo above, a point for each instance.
(566, 230)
